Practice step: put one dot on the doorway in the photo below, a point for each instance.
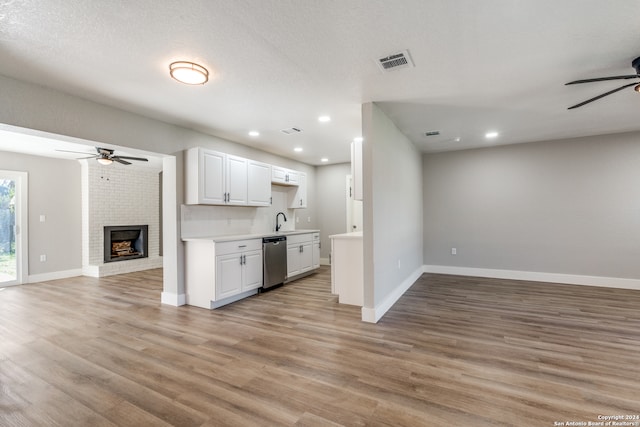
(13, 227)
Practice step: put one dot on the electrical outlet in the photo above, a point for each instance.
(454, 251)
(43, 258)
(43, 218)
(308, 219)
(398, 264)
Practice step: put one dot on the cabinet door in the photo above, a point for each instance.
(316, 252)
(252, 270)
(293, 177)
(236, 180)
(258, 184)
(298, 197)
(228, 275)
(211, 170)
(293, 260)
(278, 175)
(306, 257)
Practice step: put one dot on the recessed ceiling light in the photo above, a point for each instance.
(358, 139)
(490, 135)
(189, 73)
(254, 133)
(457, 139)
(324, 119)
(324, 160)
(297, 149)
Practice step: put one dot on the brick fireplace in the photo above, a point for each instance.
(115, 196)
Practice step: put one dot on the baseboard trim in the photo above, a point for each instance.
(324, 261)
(54, 275)
(372, 315)
(175, 300)
(570, 279)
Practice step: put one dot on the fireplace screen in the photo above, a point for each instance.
(125, 242)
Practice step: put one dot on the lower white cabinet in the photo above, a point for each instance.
(300, 254)
(316, 251)
(219, 273)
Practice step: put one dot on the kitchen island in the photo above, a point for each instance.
(347, 268)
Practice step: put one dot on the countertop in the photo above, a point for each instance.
(231, 238)
(352, 235)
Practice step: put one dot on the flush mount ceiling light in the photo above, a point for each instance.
(297, 149)
(254, 133)
(324, 119)
(324, 160)
(189, 73)
(491, 135)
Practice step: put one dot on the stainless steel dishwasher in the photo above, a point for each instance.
(274, 261)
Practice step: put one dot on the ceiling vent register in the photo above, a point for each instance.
(395, 61)
(291, 131)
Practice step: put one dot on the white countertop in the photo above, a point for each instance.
(233, 237)
(352, 235)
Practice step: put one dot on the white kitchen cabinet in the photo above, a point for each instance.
(283, 176)
(299, 254)
(236, 180)
(214, 178)
(259, 183)
(298, 196)
(356, 169)
(205, 177)
(219, 273)
(316, 251)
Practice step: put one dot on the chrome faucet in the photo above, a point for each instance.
(278, 226)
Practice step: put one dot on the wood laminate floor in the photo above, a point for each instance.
(454, 351)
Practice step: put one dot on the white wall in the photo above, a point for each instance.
(392, 212)
(331, 201)
(568, 207)
(54, 191)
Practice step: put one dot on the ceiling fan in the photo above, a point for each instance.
(105, 156)
(636, 66)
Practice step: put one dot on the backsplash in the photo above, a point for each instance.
(203, 221)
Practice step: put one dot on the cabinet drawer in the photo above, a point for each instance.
(294, 239)
(224, 248)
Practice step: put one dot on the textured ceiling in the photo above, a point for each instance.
(479, 65)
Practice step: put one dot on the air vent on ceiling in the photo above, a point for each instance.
(291, 131)
(395, 61)
(432, 133)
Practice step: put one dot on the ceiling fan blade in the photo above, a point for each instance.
(601, 79)
(119, 160)
(76, 152)
(131, 158)
(90, 157)
(601, 96)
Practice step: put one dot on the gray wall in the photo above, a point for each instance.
(392, 207)
(569, 206)
(331, 199)
(54, 191)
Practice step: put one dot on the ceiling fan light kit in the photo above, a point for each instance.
(189, 73)
(636, 66)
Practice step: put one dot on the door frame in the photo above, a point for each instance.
(22, 225)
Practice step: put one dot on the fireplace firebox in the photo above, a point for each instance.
(124, 242)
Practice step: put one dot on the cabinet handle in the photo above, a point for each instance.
(240, 259)
(244, 259)
(242, 246)
(270, 200)
(300, 202)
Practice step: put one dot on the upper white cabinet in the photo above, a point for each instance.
(284, 176)
(356, 169)
(214, 178)
(259, 183)
(298, 196)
